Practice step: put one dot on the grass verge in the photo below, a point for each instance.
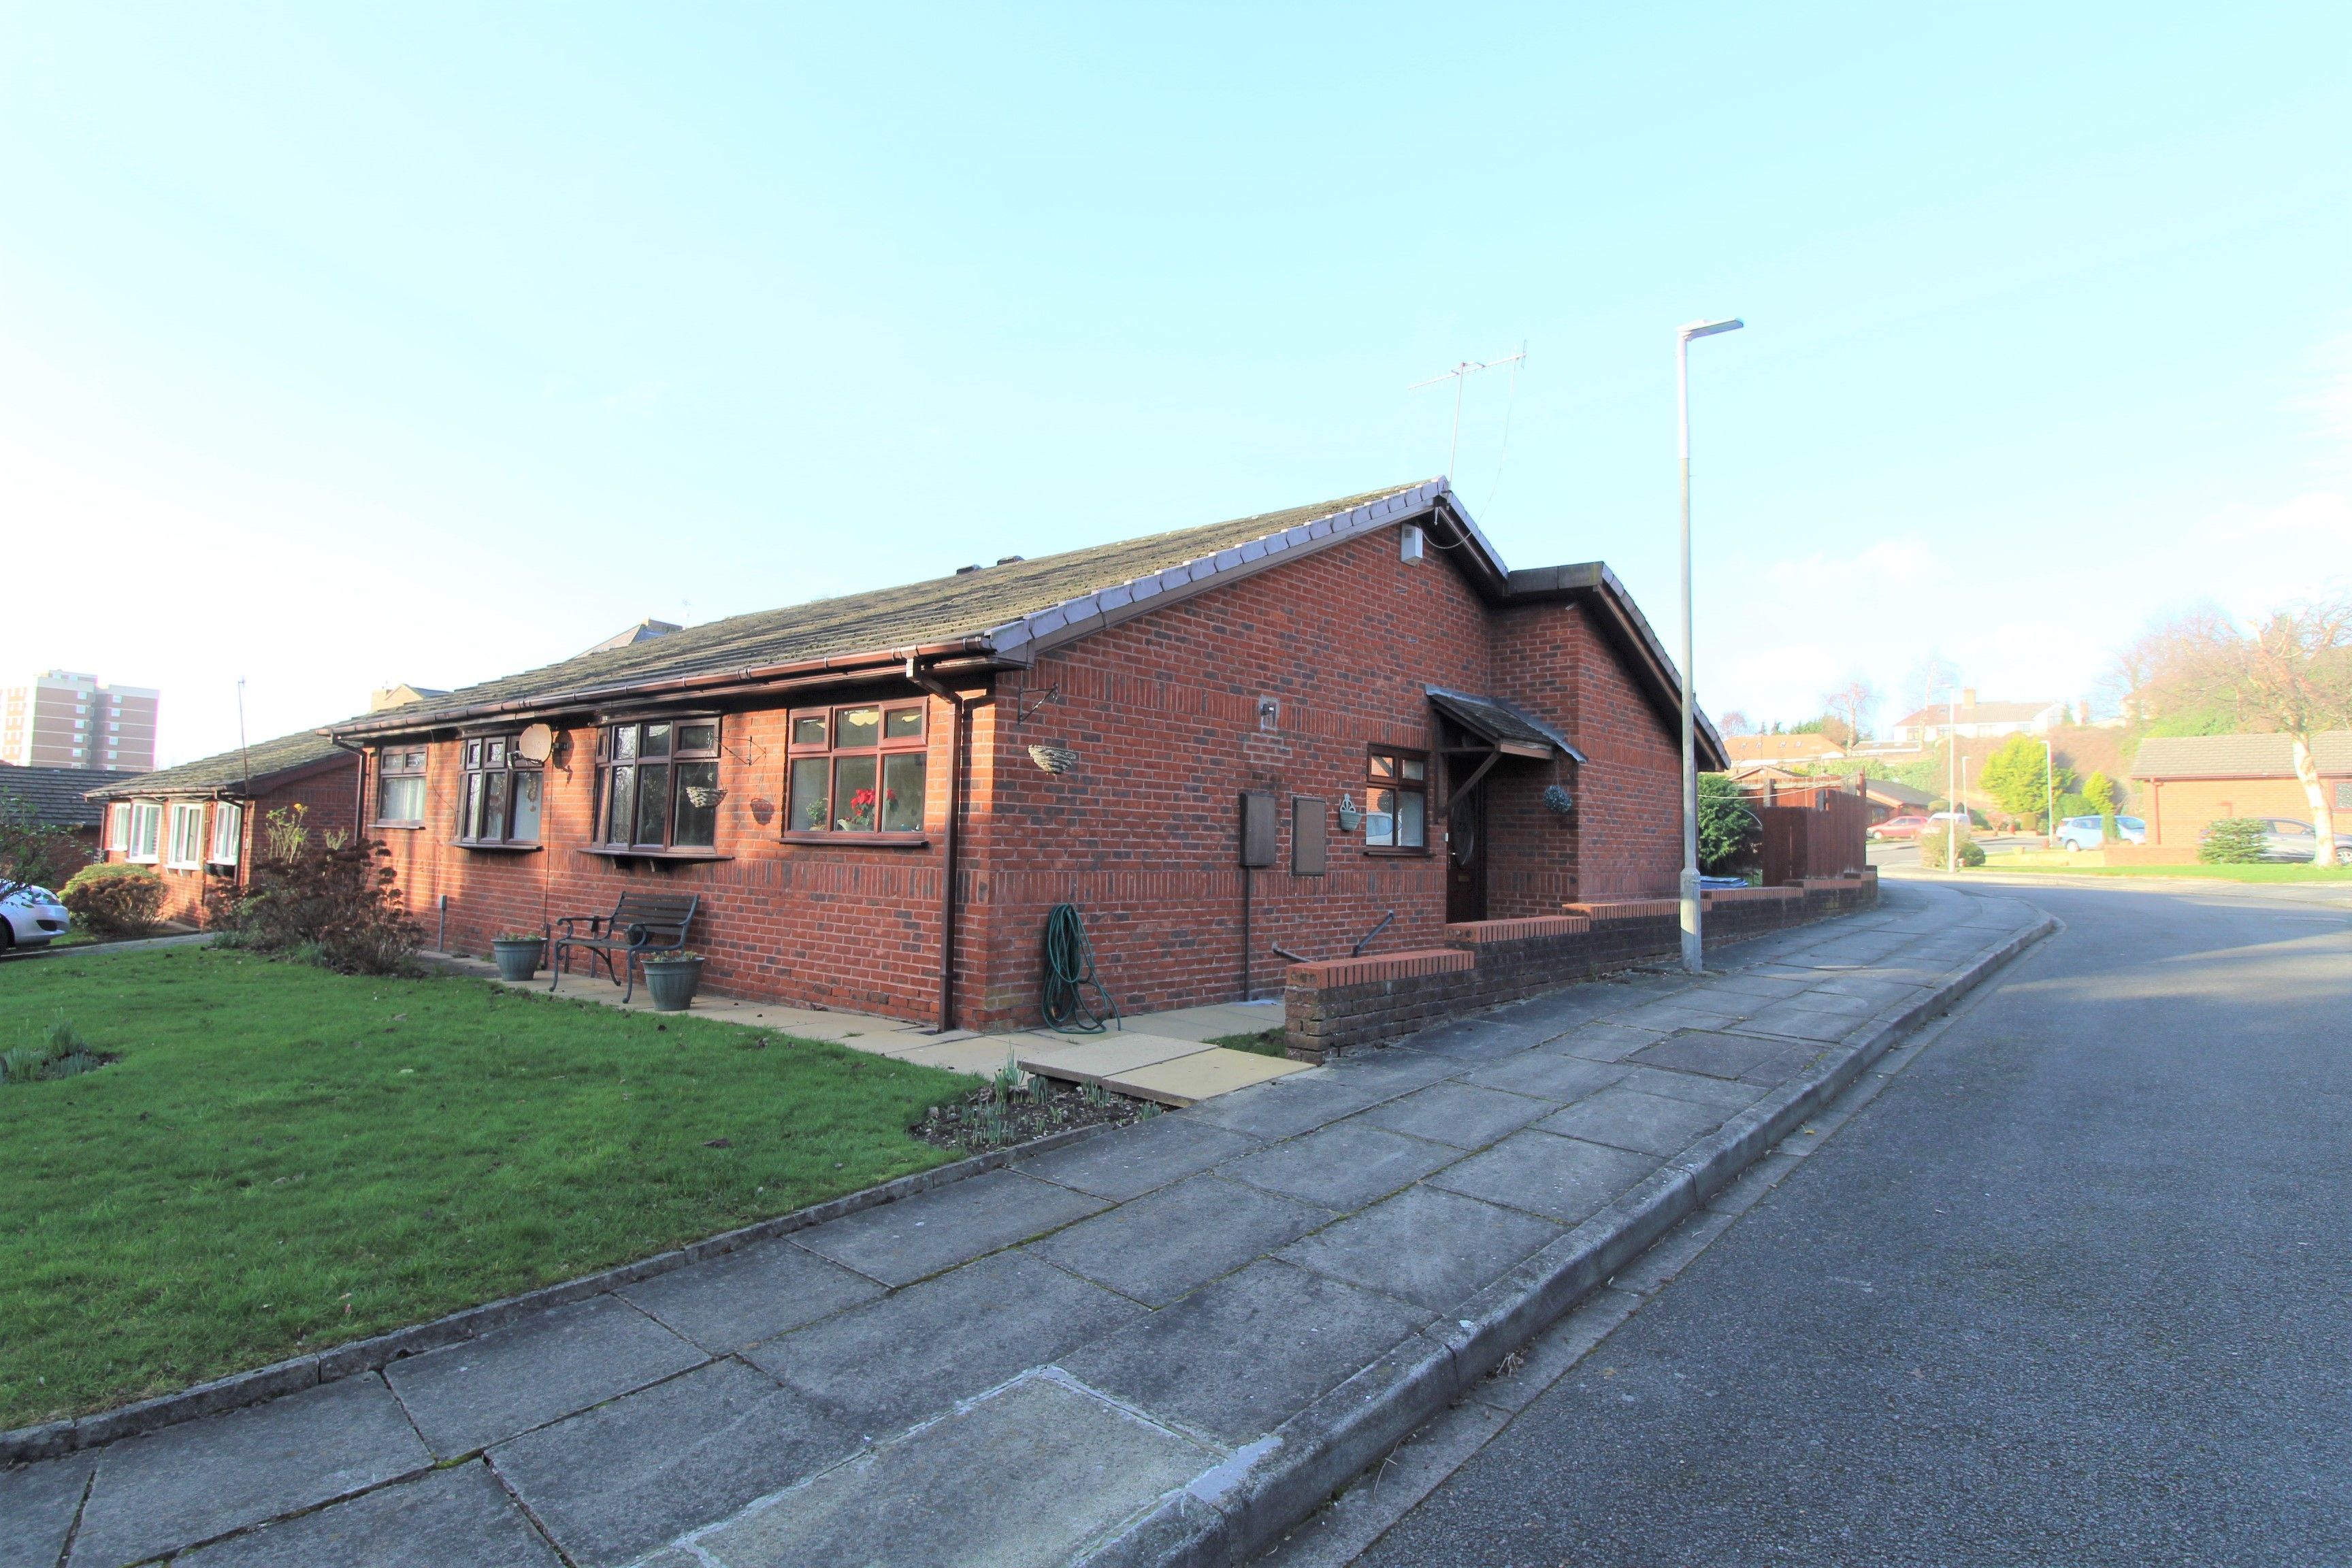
(283, 1158)
(1262, 1042)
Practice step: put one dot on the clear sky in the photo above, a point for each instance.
(348, 344)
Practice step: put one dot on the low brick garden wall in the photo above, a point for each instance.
(1333, 1005)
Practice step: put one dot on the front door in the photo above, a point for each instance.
(1465, 857)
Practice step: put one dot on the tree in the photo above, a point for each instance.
(2291, 676)
(1727, 829)
(2021, 777)
(2099, 792)
(1846, 712)
(1734, 722)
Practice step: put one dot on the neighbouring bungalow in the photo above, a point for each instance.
(198, 824)
(2189, 782)
(60, 797)
(1763, 750)
(1410, 732)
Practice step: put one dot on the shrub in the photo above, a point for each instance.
(114, 898)
(2232, 841)
(1935, 852)
(329, 902)
(62, 1053)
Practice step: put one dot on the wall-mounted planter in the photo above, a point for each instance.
(673, 981)
(518, 957)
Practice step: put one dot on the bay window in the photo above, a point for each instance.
(186, 846)
(658, 785)
(857, 769)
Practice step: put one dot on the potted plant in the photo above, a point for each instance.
(672, 977)
(518, 952)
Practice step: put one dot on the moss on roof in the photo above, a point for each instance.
(229, 771)
(940, 610)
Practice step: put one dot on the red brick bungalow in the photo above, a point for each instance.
(851, 784)
(198, 824)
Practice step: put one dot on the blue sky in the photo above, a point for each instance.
(349, 344)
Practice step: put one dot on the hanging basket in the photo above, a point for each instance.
(1557, 801)
(1349, 816)
(1054, 758)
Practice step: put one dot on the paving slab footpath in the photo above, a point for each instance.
(1160, 1345)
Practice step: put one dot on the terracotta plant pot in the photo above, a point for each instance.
(518, 961)
(672, 982)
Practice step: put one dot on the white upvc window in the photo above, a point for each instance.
(117, 825)
(228, 830)
(187, 841)
(146, 832)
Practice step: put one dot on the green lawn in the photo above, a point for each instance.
(1261, 1042)
(2259, 873)
(284, 1158)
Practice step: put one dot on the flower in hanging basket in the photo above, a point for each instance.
(1054, 758)
(1558, 800)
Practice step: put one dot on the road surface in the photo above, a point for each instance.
(2074, 1289)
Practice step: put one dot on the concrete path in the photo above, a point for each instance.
(1162, 1057)
(1077, 1360)
(2073, 1291)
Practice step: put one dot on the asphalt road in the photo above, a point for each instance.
(2074, 1290)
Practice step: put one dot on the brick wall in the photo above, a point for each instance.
(1331, 1007)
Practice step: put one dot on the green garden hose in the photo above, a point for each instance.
(1069, 972)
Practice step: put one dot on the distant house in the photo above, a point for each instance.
(1975, 720)
(1814, 747)
(2190, 781)
(56, 797)
(198, 824)
(1228, 744)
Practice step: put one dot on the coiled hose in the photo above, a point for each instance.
(1070, 972)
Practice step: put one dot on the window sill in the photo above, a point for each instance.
(852, 838)
(622, 852)
(1382, 852)
(402, 826)
(495, 847)
(184, 865)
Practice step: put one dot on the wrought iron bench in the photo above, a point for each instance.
(640, 923)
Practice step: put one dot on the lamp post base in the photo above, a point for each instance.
(1693, 957)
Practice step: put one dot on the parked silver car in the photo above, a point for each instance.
(2085, 832)
(32, 917)
(2285, 838)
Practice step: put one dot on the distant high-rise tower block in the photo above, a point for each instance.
(61, 719)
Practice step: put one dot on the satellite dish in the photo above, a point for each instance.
(537, 742)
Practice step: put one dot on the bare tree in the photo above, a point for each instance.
(1734, 722)
(2292, 676)
(1846, 712)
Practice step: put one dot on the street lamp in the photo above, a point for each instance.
(1692, 958)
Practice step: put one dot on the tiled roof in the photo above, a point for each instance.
(59, 796)
(1499, 721)
(1006, 615)
(2237, 756)
(942, 610)
(261, 764)
(1781, 748)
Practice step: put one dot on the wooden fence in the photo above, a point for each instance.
(1828, 838)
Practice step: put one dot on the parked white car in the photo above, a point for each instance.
(31, 917)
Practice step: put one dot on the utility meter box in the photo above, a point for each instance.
(1258, 828)
(1308, 835)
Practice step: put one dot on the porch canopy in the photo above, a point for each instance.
(1507, 731)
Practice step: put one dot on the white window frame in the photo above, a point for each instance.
(228, 832)
(184, 848)
(117, 825)
(146, 833)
